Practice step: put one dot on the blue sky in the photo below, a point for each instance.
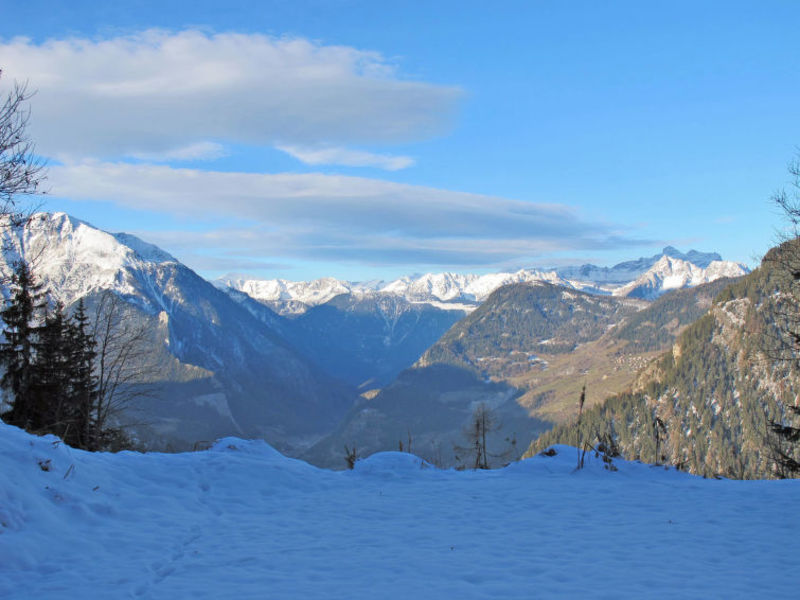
(374, 139)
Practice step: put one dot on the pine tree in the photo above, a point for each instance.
(49, 365)
(83, 383)
(52, 407)
(64, 390)
(17, 350)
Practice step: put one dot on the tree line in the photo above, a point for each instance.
(67, 374)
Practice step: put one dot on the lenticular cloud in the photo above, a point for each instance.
(159, 93)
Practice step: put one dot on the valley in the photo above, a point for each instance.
(373, 366)
(348, 300)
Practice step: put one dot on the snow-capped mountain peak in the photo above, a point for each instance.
(290, 297)
(73, 258)
(670, 273)
(644, 278)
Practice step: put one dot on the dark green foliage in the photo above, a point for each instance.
(65, 387)
(82, 381)
(49, 362)
(49, 392)
(17, 350)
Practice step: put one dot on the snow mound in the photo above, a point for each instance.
(391, 465)
(258, 448)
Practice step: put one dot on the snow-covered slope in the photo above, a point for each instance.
(627, 271)
(242, 521)
(673, 273)
(290, 297)
(74, 259)
(452, 287)
(642, 278)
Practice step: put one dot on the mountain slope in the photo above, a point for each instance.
(368, 339)
(471, 365)
(222, 370)
(715, 391)
(528, 318)
(364, 339)
(673, 273)
(657, 326)
(526, 352)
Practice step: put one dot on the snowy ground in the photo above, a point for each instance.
(242, 521)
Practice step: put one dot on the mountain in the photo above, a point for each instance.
(657, 326)
(627, 271)
(289, 297)
(711, 396)
(222, 371)
(452, 287)
(525, 352)
(426, 411)
(531, 318)
(369, 338)
(473, 363)
(643, 278)
(674, 273)
(365, 339)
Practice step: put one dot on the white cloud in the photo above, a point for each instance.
(151, 93)
(347, 157)
(338, 218)
(198, 151)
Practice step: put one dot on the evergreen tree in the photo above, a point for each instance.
(49, 365)
(64, 388)
(17, 349)
(49, 391)
(83, 383)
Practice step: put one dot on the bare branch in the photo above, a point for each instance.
(21, 170)
(124, 365)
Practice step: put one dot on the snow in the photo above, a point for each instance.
(444, 290)
(242, 521)
(72, 259)
(673, 273)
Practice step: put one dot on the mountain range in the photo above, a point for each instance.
(645, 278)
(286, 361)
(525, 354)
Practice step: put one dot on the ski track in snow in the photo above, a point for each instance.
(242, 521)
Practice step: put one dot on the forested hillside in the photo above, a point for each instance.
(706, 405)
(530, 318)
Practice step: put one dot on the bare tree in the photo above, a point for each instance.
(125, 365)
(21, 170)
(781, 338)
(480, 425)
